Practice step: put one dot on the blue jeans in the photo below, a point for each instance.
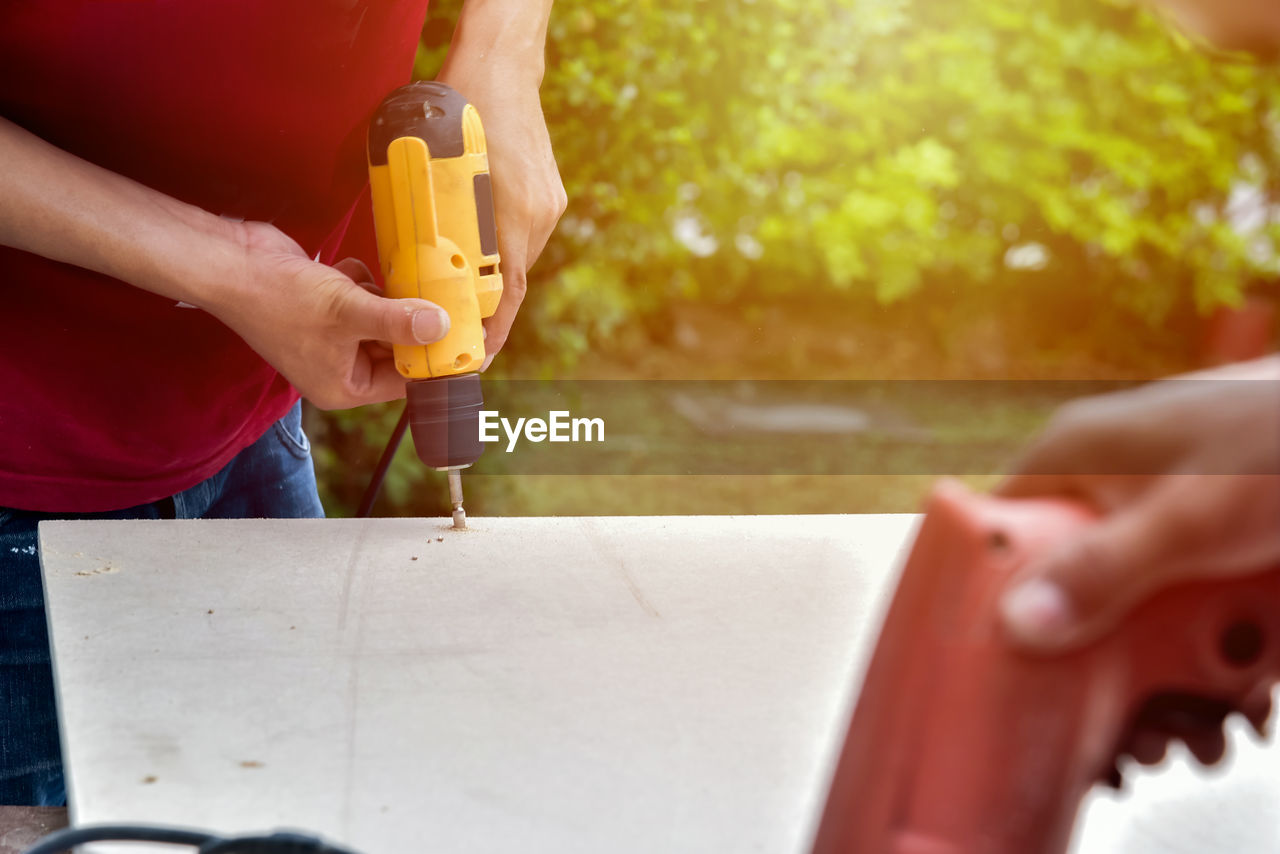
(272, 478)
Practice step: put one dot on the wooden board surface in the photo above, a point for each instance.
(562, 685)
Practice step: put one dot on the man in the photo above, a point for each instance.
(177, 181)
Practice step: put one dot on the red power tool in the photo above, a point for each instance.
(961, 744)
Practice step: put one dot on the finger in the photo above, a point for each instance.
(1020, 485)
(355, 270)
(407, 322)
(1068, 445)
(374, 380)
(1084, 443)
(1083, 588)
(385, 382)
(1102, 492)
(540, 232)
(514, 284)
(537, 242)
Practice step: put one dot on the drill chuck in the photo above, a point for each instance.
(444, 418)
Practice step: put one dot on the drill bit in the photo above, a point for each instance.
(455, 498)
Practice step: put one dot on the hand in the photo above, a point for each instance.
(1186, 475)
(528, 195)
(325, 329)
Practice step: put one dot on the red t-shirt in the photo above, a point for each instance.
(111, 396)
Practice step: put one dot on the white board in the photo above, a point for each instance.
(636, 684)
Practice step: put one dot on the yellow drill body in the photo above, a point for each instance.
(433, 217)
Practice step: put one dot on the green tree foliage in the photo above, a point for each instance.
(868, 145)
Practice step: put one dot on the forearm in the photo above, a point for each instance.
(57, 205)
(508, 36)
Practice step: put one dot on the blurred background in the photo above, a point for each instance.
(869, 190)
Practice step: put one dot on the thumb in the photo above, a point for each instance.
(406, 322)
(1084, 588)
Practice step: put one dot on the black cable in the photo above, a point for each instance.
(375, 482)
(280, 842)
(68, 838)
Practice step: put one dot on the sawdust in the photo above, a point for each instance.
(105, 569)
(149, 779)
(250, 763)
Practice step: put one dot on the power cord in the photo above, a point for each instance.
(279, 842)
(375, 482)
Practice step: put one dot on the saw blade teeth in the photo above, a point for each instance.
(1258, 714)
(1112, 778)
(1197, 721)
(1148, 747)
(1208, 746)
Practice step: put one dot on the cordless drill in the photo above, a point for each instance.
(962, 744)
(437, 240)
